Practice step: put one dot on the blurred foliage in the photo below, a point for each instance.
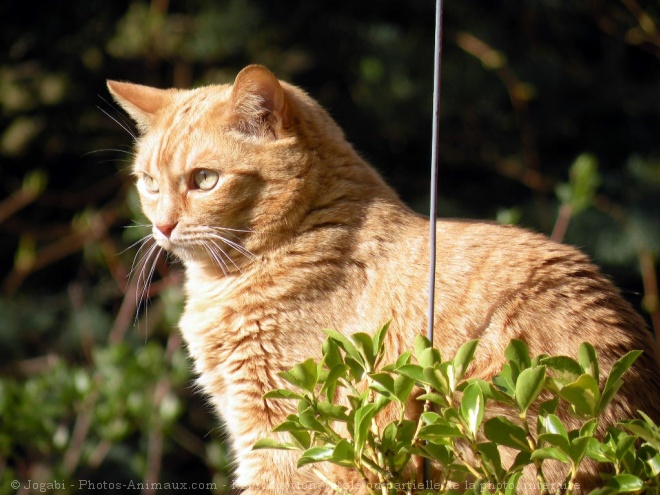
(90, 391)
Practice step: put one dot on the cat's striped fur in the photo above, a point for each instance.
(300, 234)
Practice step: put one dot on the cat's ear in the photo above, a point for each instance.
(140, 102)
(259, 105)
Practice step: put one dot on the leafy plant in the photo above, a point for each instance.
(453, 431)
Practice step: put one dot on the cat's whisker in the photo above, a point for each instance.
(119, 123)
(228, 229)
(139, 271)
(226, 255)
(132, 154)
(142, 241)
(241, 249)
(143, 295)
(218, 259)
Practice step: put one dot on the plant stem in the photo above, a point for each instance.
(533, 445)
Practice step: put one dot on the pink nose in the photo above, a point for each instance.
(166, 228)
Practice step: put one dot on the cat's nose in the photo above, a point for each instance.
(166, 228)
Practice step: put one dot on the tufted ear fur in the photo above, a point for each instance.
(140, 102)
(259, 104)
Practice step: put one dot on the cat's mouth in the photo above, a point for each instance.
(219, 246)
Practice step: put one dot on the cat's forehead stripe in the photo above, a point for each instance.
(196, 105)
(189, 112)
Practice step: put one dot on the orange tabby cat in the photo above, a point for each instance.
(284, 230)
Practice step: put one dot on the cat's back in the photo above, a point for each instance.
(497, 282)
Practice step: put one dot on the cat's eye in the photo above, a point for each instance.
(150, 184)
(205, 179)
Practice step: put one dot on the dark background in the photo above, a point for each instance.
(91, 393)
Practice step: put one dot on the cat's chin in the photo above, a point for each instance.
(198, 257)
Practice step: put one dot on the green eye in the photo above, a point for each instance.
(206, 179)
(150, 184)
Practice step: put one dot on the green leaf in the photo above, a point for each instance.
(331, 355)
(472, 408)
(556, 440)
(564, 369)
(403, 387)
(362, 423)
(271, 443)
(550, 453)
(641, 429)
(517, 352)
(546, 407)
(308, 419)
(332, 411)
(651, 459)
(584, 181)
(435, 398)
(412, 371)
(331, 381)
(625, 483)
(420, 344)
(491, 392)
(504, 432)
(356, 368)
(608, 394)
(463, 359)
(379, 340)
(437, 452)
(383, 382)
(529, 386)
(365, 347)
(343, 342)
(583, 394)
(589, 360)
(589, 428)
(429, 357)
(618, 369)
(625, 444)
(403, 359)
(504, 381)
(316, 454)
(291, 424)
(512, 482)
(599, 452)
(439, 433)
(490, 459)
(343, 454)
(437, 379)
(388, 437)
(431, 417)
(406, 431)
(303, 375)
(522, 459)
(578, 448)
(552, 424)
(301, 438)
(282, 393)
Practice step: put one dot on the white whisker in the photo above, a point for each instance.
(218, 259)
(119, 123)
(142, 241)
(142, 270)
(225, 254)
(235, 245)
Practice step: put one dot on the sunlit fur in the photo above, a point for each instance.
(300, 234)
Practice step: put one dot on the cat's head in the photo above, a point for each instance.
(222, 169)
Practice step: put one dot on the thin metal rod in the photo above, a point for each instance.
(434, 164)
(434, 193)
